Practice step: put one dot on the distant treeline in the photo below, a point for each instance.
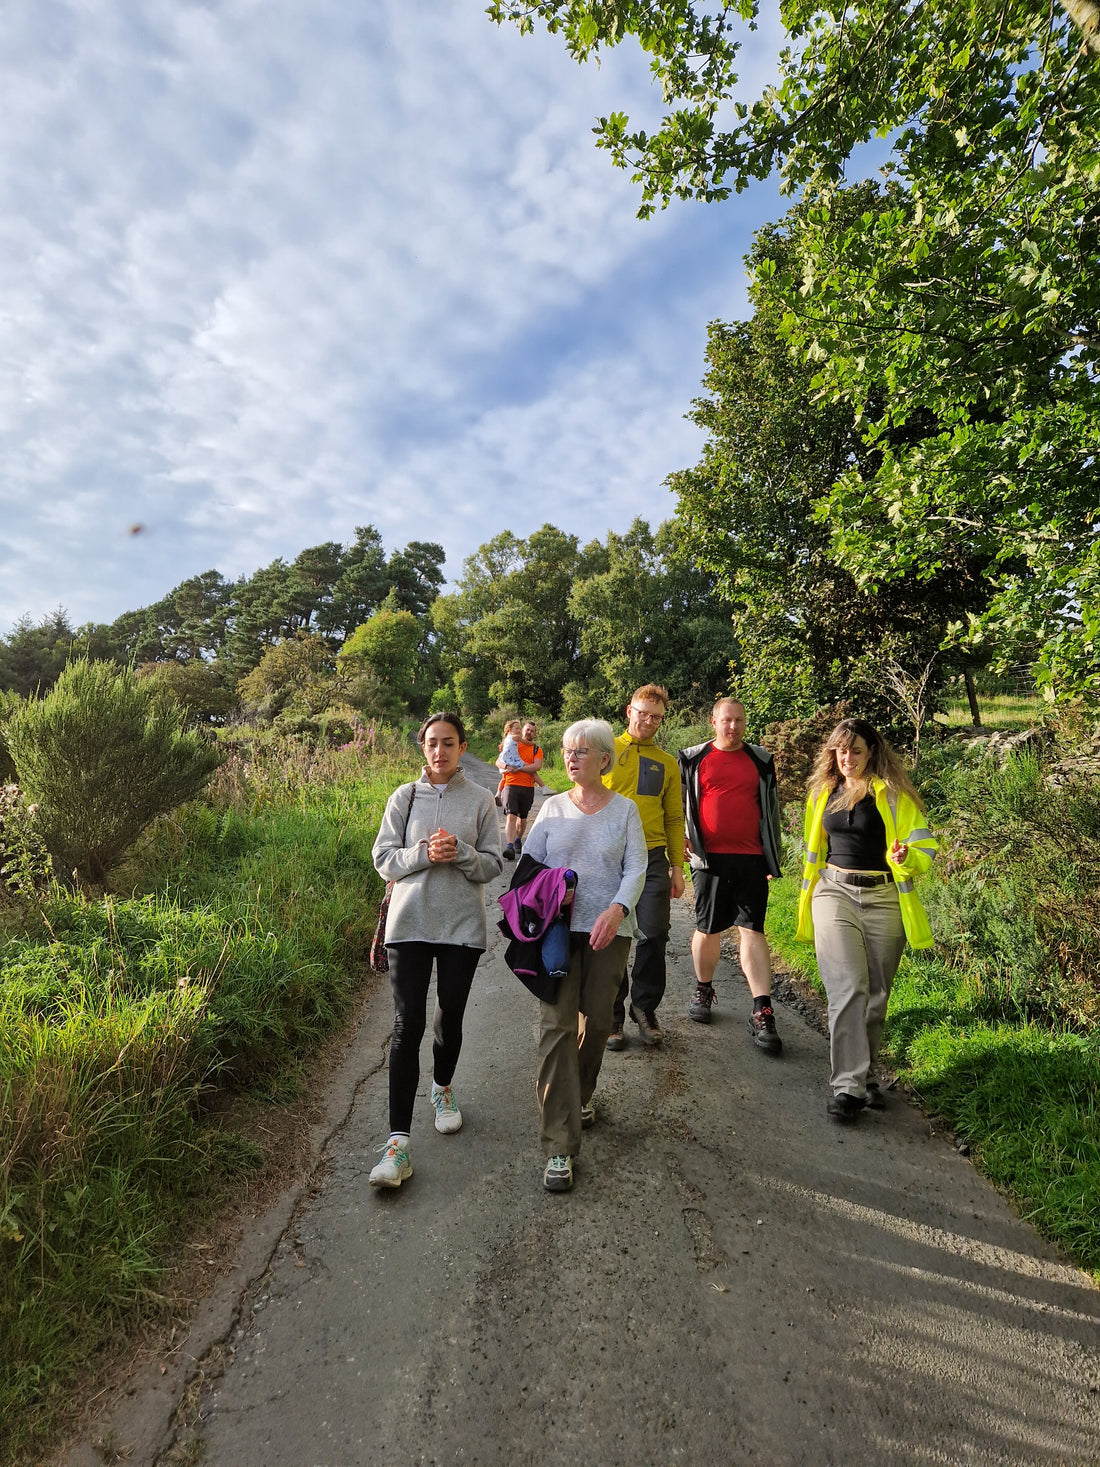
(329, 589)
(541, 623)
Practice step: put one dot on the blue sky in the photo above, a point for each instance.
(271, 270)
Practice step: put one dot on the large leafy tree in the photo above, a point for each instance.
(650, 614)
(1017, 76)
(968, 302)
(385, 649)
(752, 512)
(507, 633)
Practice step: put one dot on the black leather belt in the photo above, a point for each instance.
(859, 878)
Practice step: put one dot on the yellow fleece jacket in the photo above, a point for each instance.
(651, 778)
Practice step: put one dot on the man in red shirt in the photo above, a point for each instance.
(731, 806)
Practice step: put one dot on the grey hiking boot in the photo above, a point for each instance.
(844, 1107)
(762, 1029)
(701, 1002)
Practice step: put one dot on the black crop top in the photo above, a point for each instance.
(857, 837)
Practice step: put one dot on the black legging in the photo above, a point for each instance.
(410, 976)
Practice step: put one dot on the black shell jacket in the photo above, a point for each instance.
(771, 831)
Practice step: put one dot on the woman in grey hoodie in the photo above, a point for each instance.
(439, 843)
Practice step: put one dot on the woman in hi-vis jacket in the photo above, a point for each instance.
(867, 839)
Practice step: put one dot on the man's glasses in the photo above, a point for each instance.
(643, 717)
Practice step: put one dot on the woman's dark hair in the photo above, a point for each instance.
(454, 719)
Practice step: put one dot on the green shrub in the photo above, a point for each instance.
(201, 689)
(1015, 896)
(103, 755)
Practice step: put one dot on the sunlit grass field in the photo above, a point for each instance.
(1000, 711)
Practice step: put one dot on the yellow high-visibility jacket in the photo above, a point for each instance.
(905, 821)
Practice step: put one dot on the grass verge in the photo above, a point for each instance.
(120, 1019)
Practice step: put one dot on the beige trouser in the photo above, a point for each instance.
(859, 938)
(572, 1034)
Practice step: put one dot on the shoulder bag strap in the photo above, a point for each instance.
(408, 813)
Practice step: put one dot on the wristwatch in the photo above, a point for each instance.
(625, 908)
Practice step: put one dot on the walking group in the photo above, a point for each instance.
(612, 851)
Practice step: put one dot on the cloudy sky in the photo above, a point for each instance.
(270, 270)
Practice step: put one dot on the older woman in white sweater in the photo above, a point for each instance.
(439, 843)
(599, 835)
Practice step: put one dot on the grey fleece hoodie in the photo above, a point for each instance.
(442, 902)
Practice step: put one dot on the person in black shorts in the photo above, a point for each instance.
(519, 791)
(731, 808)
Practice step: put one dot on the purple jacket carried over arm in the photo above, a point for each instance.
(529, 905)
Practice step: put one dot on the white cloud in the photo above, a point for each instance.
(269, 271)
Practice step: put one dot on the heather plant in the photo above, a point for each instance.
(103, 755)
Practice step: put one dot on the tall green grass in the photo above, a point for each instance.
(236, 953)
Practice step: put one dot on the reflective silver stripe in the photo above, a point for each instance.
(892, 801)
(905, 887)
(811, 858)
(915, 835)
(805, 884)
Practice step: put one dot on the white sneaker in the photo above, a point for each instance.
(448, 1117)
(395, 1167)
(558, 1175)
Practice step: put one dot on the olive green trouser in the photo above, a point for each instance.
(573, 1031)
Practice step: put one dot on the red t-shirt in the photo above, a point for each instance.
(729, 803)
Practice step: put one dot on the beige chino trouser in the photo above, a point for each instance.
(572, 1036)
(859, 937)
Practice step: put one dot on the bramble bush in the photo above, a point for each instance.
(795, 742)
(103, 755)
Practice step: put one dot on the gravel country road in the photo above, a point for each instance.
(734, 1279)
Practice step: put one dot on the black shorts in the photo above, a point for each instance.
(518, 799)
(732, 893)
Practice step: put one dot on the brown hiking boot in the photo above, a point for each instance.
(649, 1031)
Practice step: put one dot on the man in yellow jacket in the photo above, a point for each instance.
(651, 778)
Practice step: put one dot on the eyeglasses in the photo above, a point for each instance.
(643, 717)
(574, 753)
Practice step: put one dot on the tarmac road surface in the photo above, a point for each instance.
(733, 1279)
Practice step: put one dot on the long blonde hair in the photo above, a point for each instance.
(882, 761)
